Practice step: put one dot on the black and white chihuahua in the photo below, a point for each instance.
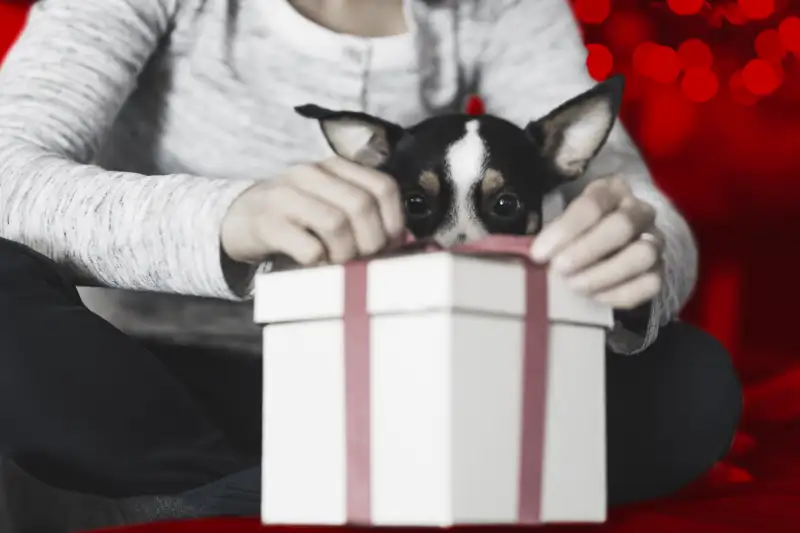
(463, 177)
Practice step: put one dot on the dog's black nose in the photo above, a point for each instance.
(461, 238)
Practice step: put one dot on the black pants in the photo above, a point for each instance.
(85, 408)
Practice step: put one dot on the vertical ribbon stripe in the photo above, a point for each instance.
(357, 393)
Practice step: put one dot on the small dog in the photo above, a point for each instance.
(463, 177)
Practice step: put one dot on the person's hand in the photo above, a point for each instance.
(329, 211)
(606, 244)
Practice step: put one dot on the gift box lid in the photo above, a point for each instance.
(418, 283)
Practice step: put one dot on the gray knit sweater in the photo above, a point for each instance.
(127, 127)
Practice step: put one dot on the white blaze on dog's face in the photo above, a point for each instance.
(464, 177)
(464, 166)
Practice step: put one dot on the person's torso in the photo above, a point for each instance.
(217, 99)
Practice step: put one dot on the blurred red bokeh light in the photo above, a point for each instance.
(699, 84)
(768, 45)
(600, 61)
(789, 31)
(757, 9)
(592, 11)
(659, 63)
(686, 7)
(761, 77)
(695, 53)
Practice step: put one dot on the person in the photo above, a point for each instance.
(150, 148)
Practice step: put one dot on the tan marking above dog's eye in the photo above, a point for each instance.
(492, 182)
(430, 183)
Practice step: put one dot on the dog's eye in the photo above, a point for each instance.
(506, 206)
(416, 205)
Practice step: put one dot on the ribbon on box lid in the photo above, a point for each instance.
(357, 375)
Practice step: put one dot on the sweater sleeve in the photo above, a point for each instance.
(61, 88)
(533, 61)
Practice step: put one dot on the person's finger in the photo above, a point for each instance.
(633, 293)
(290, 239)
(326, 222)
(595, 202)
(381, 186)
(634, 260)
(609, 235)
(618, 185)
(360, 206)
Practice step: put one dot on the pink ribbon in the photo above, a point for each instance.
(357, 376)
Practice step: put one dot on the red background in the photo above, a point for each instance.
(713, 98)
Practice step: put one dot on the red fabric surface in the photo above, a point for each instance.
(713, 98)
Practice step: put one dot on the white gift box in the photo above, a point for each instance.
(414, 390)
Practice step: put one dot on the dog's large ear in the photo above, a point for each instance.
(356, 136)
(572, 134)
